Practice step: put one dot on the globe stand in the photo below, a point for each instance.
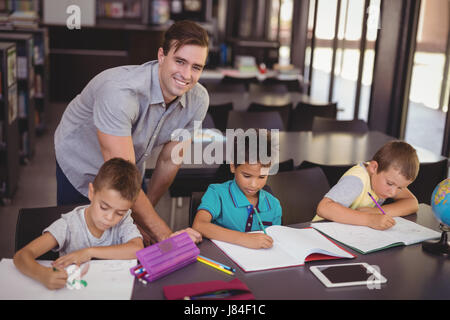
(442, 247)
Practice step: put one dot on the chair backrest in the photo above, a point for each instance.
(430, 174)
(299, 193)
(32, 221)
(219, 114)
(239, 80)
(284, 110)
(302, 116)
(290, 85)
(191, 180)
(264, 87)
(196, 199)
(257, 120)
(321, 124)
(333, 173)
(208, 122)
(227, 87)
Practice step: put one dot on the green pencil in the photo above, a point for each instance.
(259, 220)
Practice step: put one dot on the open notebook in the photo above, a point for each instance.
(106, 280)
(365, 240)
(291, 247)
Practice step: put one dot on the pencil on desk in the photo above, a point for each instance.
(218, 263)
(214, 266)
(376, 203)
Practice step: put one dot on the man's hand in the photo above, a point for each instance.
(194, 235)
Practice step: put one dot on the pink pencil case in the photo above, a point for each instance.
(165, 257)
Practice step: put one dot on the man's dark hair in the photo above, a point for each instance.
(182, 33)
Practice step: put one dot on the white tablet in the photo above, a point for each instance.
(350, 274)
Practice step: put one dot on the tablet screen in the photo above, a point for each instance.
(345, 273)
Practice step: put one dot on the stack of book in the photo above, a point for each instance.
(4, 20)
(24, 19)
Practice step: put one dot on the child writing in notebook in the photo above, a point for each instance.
(387, 175)
(104, 229)
(228, 211)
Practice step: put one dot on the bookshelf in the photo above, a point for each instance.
(9, 128)
(41, 74)
(25, 92)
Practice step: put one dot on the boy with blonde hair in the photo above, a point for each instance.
(387, 175)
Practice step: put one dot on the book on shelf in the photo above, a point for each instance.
(24, 19)
(291, 247)
(22, 105)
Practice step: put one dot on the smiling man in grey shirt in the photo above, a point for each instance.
(126, 112)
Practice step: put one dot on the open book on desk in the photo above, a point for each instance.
(365, 240)
(291, 247)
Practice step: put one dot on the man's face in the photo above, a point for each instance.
(179, 71)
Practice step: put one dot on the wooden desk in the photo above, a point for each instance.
(411, 274)
(219, 74)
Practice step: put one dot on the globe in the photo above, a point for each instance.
(440, 202)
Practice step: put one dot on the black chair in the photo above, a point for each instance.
(196, 199)
(299, 192)
(228, 87)
(208, 122)
(302, 116)
(332, 172)
(219, 114)
(264, 87)
(239, 80)
(32, 221)
(290, 85)
(430, 174)
(257, 120)
(284, 110)
(321, 124)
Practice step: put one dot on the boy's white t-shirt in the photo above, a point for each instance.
(72, 233)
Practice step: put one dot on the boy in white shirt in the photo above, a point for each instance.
(103, 230)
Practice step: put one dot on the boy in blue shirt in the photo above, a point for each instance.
(230, 210)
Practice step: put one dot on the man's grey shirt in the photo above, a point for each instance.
(122, 101)
(72, 233)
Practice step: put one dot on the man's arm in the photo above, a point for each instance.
(144, 212)
(164, 173)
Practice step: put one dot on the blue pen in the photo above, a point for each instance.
(138, 271)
